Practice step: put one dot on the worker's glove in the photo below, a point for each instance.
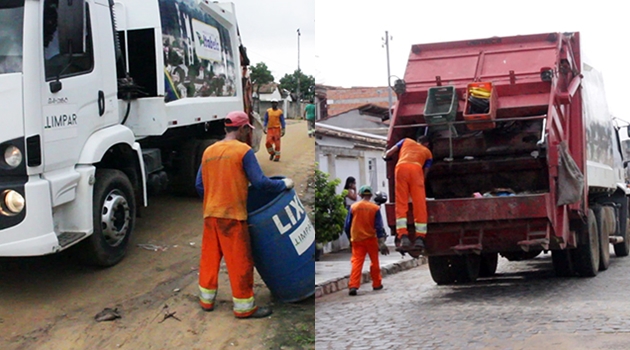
(265, 130)
(382, 247)
(282, 133)
(288, 183)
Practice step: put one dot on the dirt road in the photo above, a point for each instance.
(50, 302)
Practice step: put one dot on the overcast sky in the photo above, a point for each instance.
(349, 35)
(269, 32)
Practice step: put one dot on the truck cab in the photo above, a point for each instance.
(105, 102)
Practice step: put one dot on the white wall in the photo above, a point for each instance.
(358, 166)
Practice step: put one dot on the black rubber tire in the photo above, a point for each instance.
(187, 166)
(586, 257)
(563, 263)
(489, 262)
(97, 250)
(623, 248)
(466, 267)
(605, 226)
(440, 268)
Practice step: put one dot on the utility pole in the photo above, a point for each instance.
(389, 87)
(299, 108)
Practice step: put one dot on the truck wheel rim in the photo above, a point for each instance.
(115, 218)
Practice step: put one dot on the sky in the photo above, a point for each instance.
(349, 35)
(269, 32)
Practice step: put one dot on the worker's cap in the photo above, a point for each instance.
(237, 118)
(365, 190)
(274, 101)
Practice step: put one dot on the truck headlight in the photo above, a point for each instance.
(12, 156)
(12, 203)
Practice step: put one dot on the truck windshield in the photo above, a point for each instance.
(11, 27)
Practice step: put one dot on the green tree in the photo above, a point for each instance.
(260, 75)
(307, 84)
(330, 213)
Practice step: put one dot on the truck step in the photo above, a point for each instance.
(464, 248)
(66, 238)
(534, 243)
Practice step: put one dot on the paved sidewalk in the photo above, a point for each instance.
(332, 272)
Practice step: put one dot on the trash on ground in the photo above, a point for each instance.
(107, 314)
(152, 247)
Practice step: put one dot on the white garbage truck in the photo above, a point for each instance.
(104, 103)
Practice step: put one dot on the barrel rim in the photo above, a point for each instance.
(273, 201)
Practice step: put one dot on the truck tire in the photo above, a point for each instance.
(623, 249)
(114, 213)
(466, 267)
(586, 257)
(606, 226)
(187, 165)
(563, 262)
(489, 262)
(440, 268)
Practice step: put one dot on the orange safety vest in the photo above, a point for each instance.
(274, 118)
(363, 220)
(224, 180)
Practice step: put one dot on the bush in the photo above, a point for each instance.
(330, 213)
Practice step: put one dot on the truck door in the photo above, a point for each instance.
(79, 94)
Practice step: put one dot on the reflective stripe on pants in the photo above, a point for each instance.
(273, 141)
(409, 180)
(229, 239)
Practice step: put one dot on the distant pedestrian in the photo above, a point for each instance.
(227, 167)
(410, 173)
(351, 195)
(274, 128)
(364, 224)
(351, 187)
(309, 115)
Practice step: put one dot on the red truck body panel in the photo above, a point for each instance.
(538, 106)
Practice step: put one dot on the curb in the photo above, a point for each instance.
(338, 284)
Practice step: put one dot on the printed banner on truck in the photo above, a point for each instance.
(207, 41)
(199, 60)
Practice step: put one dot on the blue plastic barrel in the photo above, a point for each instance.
(283, 244)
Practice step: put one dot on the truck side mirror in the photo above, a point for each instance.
(71, 19)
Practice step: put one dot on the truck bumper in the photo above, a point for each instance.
(493, 224)
(34, 234)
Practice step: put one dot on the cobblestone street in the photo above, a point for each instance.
(523, 307)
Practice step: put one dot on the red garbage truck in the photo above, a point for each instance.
(526, 155)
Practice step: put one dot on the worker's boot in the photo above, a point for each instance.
(261, 312)
(271, 155)
(418, 244)
(352, 292)
(405, 242)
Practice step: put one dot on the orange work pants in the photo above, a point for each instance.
(409, 180)
(230, 239)
(273, 139)
(359, 250)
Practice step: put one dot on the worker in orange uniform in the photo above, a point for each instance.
(364, 224)
(412, 168)
(226, 169)
(274, 128)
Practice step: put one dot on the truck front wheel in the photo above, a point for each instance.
(114, 212)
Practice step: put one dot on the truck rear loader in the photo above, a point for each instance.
(526, 155)
(105, 102)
